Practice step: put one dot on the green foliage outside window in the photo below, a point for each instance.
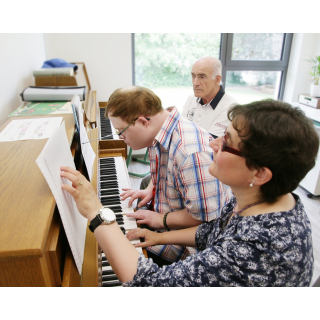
(165, 59)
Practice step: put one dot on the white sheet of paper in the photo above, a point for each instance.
(87, 151)
(26, 129)
(56, 153)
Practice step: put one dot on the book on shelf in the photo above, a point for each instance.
(53, 72)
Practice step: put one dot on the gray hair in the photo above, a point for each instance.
(217, 68)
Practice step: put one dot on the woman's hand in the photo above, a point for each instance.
(150, 238)
(82, 192)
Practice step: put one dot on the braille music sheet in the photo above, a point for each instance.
(56, 153)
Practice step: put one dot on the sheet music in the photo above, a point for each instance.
(57, 153)
(26, 129)
(87, 151)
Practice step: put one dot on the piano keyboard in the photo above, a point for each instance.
(106, 127)
(109, 278)
(112, 177)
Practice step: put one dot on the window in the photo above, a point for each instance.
(254, 65)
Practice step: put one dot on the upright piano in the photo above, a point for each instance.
(34, 250)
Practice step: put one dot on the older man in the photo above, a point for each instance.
(209, 106)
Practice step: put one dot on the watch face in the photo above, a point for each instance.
(107, 215)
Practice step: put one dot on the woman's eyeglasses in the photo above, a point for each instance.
(226, 148)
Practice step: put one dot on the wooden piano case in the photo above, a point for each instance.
(33, 247)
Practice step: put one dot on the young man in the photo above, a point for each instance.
(182, 191)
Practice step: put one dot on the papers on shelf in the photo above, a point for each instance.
(26, 129)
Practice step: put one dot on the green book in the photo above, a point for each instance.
(42, 108)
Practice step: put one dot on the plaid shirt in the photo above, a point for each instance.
(180, 156)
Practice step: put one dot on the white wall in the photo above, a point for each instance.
(107, 56)
(20, 54)
(304, 46)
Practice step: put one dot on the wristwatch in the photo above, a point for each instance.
(104, 216)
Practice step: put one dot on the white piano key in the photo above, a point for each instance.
(129, 223)
(139, 249)
(106, 268)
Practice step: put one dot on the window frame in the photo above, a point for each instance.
(255, 65)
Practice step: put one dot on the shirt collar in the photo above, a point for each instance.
(214, 102)
(165, 133)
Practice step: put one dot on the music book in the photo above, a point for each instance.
(42, 108)
(57, 153)
(52, 93)
(53, 72)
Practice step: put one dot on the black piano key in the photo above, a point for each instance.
(107, 178)
(105, 263)
(106, 165)
(115, 210)
(107, 202)
(112, 283)
(109, 278)
(109, 192)
(109, 185)
(107, 160)
(108, 272)
(107, 168)
(106, 181)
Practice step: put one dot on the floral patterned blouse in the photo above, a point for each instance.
(273, 249)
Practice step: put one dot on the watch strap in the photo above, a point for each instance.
(95, 223)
